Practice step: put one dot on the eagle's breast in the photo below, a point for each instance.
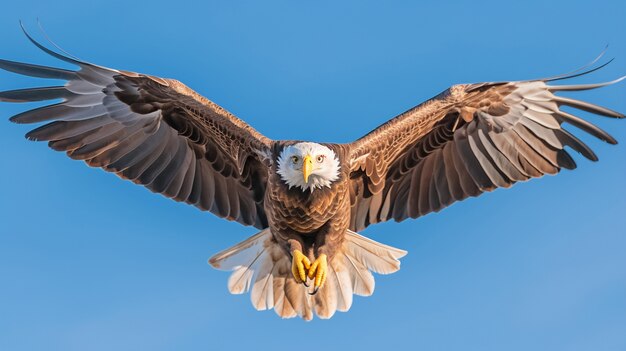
(304, 211)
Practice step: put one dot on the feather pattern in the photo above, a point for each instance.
(156, 132)
(468, 140)
(260, 267)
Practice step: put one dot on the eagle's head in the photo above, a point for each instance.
(308, 166)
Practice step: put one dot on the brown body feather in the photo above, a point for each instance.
(312, 222)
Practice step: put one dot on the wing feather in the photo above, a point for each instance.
(468, 140)
(156, 132)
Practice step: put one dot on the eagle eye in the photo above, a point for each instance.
(294, 159)
(320, 158)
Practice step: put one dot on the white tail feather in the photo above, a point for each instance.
(343, 288)
(360, 277)
(260, 266)
(377, 257)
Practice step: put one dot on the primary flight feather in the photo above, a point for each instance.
(308, 199)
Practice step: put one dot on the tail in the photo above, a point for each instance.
(261, 267)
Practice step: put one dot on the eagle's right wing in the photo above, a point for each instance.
(156, 132)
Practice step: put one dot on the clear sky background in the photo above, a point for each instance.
(90, 262)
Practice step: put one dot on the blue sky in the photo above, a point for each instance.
(90, 262)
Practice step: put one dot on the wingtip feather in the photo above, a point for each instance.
(48, 51)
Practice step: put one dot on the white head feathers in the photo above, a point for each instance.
(324, 169)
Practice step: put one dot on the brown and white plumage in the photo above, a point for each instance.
(467, 140)
(308, 199)
(156, 132)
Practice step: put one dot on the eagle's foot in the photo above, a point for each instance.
(299, 263)
(318, 271)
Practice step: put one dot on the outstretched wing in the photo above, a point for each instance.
(467, 140)
(156, 132)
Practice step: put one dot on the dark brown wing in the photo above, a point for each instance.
(156, 132)
(468, 140)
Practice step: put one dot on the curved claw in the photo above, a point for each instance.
(317, 288)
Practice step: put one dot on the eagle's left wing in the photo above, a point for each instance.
(467, 140)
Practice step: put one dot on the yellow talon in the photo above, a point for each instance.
(298, 264)
(318, 271)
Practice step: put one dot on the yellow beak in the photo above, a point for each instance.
(307, 167)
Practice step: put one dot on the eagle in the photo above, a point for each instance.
(308, 200)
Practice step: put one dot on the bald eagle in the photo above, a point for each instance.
(308, 199)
